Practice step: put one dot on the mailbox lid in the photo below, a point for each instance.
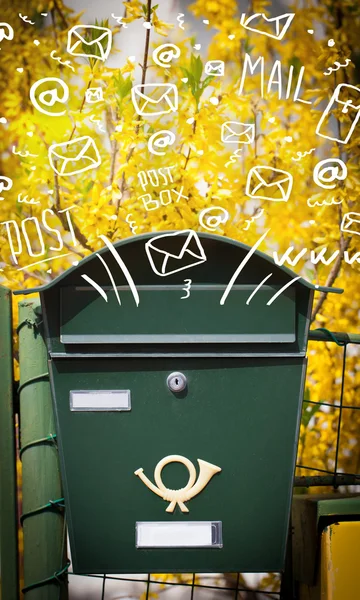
(239, 414)
(125, 267)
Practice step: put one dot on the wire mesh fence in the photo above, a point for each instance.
(328, 457)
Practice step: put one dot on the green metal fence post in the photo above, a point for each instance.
(9, 581)
(42, 518)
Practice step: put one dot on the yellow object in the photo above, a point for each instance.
(207, 470)
(340, 561)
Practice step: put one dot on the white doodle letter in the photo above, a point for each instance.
(71, 229)
(315, 258)
(286, 257)
(273, 81)
(17, 232)
(252, 69)
(57, 233)
(27, 240)
(167, 194)
(147, 200)
(143, 180)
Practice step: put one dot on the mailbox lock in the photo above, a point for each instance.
(176, 382)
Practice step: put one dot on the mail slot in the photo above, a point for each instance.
(177, 365)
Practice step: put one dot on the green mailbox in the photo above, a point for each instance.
(177, 364)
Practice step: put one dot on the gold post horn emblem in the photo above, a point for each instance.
(207, 471)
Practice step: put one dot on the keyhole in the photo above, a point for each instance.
(176, 382)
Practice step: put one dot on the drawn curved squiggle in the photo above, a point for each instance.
(249, 221)
(180, 20)
(65, 63)
(24, 200)
(302, 154)
(23, 154)
(132, 224)
(234, 157)
(119, 20)
(324, 203)
(26, 20)
(337, 66)
(98, 123)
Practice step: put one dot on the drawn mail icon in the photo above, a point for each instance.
(174, 252)
(77, 156)
(154, 99)
(346, 98)
(351, 223)
(260, 23)
(234, 132)
(215, 68)
(94, 95)
(267, 183)
(89, 41)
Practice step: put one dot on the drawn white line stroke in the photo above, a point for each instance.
(45, 260)
(119, 20)
(338, 66)
(180, 20)
(26, 20)
(66, 63)
(123, 268)
(23, 154)
(241, 266)
(111, 278)
(96, 286)
(324, 203)
(257, 288)
(302, 154)
(132, 224)
(98, 123)
(249, 221)
(281, 290)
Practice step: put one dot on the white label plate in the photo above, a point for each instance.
(101, 400)
(191, 534)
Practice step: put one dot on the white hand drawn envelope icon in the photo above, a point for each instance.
(351, 223)
(267, 183)
(93, 95)
(234, 132)
(215, 67)
(259, 23)
(97, 40)
(172, 252)
(77, 156)
(154, 99)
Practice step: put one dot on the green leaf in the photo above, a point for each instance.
(122, 86)
(89, 186)
(247, 47)
(196, 67)
(296, 63)
(207, 81)
(309, 411)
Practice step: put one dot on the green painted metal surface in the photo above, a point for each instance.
(234, 415)
(311, 513)
(9, 581)
(240, 411)
(83, 318)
